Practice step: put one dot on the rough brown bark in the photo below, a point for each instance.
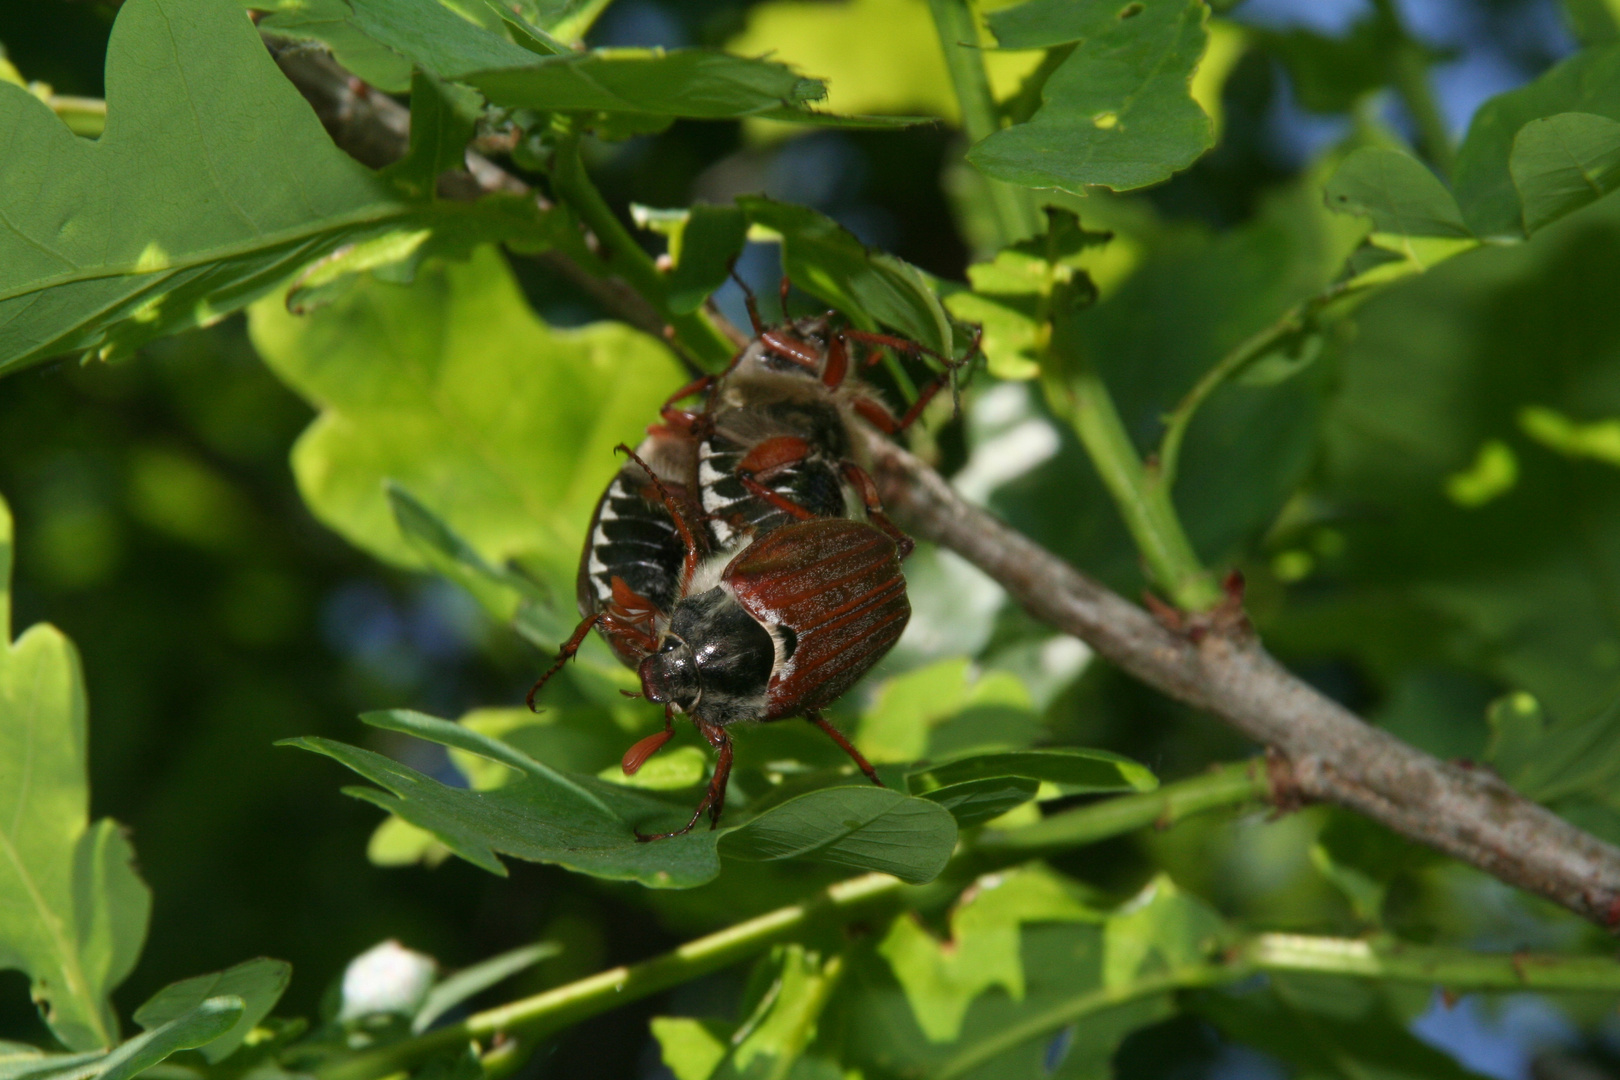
(1326, 752)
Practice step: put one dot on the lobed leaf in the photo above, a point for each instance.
(584, 824)
(100, 255)
(73, 911)
(452, 390)
(1118, 112)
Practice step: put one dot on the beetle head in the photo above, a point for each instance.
(715, 659)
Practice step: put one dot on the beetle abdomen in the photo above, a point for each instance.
(836, 585)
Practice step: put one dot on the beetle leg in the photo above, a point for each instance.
(837, 366)
(569, 648)
(637, 755)
(877, 415)
(748, 298)
(874, 506)
(786, 505)
(722, 773)
(848, 747)
(714, 800)
(948, 376)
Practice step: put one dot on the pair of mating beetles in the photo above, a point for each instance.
(741, 560)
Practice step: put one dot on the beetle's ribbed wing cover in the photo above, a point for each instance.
(836, 584)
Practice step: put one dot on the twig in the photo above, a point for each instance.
(374, 129)
(1327, 753)
(1330, 754)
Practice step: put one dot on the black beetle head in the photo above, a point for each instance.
(715, 660)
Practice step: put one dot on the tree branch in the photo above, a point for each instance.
(1326, 752)
(1329, 753)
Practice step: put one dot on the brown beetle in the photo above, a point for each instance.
(778, 629)
(779, 440)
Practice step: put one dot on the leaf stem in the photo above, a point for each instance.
(1142, 499)
(573, 185)
(1454, 969)
(1228, 785)
(1014, 209)
(1292, 321)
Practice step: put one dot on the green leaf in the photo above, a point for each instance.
(258, 983)
(579, 822)
(704, 250)
(1076, 771)
(331, 23)
(1510, 590)
(873, 289)
(444, 42)
(1162, 930)
(1118, 112)
(472, 981)
(941, 980)
(1398, 192)
(497, 425)
(866, 828)
(100, 256)
(648, 82)
(1588, 82)
(1562, 163)
(198, 1026)
(935, 710)
(1192, 300)
(1011, 296)
(443, 116)
(691, 1049)
(73, 912)
(1549, 762)
(974, 802)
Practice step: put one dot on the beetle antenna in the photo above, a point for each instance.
(748, 298)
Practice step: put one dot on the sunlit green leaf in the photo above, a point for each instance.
(940, 709)
(1118, 112)
(451, 388)
(942, 979)
(101, 255)
(73, 912)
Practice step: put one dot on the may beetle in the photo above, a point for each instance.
(778, 629)
(778, 441)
